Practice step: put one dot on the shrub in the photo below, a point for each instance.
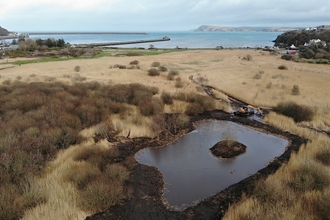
(257, 76)
(194, 109)
(153, 72)
(286, 57)
(248, 57)
(167, 98)
(180, 121)
(322, 61)
(119, 66)
(206, 102)
(178, 83)
(308, 54)
(175, 122)
(297, 112)
(155, 64)
(170, 77)
(134, 62)
(282, 67)
(162, 69)
(174, 72)
(180, 96)
(269, 85)
(77, 68)
(295, 90)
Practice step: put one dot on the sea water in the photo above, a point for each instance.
(179, 39)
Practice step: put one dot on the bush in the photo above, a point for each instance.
(295, 90)
(194, 109)
(77, 68)
(297, 112)
(282, 67)
(248, 57)
(178, 83)
(286, 57)
(155, 64)
(174, 72)
(119, 66)
(269, 85)
(162, 68)
(153, 72)
(134, 62)
(167, 98)
(257, 76)
(175, 122)
(170, 77)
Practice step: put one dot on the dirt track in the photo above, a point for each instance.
(146, 201)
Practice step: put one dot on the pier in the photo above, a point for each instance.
(123, 42)
(84, 33)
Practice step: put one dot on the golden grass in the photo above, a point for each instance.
(287, 124)
(233, 75)
(298, 190)
(63, 196)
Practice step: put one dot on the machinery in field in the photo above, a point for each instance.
(248, 110)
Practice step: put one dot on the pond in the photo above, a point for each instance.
(190, 171)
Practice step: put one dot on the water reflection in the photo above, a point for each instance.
(192, 173)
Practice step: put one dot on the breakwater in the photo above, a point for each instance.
(83, 32)
(123, 42)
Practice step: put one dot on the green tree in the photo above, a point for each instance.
(60, 43)
(50, 42)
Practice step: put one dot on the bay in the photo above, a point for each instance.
(181, 39)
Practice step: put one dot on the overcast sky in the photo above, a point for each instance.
(155, 15)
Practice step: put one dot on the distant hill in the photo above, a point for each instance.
(209, 28)
(300, 37)
(3, 31)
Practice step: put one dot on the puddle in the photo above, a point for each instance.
(192, 173)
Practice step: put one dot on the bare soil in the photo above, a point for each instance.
(146, 201)
(228, 149)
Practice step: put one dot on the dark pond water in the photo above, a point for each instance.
(192, 173)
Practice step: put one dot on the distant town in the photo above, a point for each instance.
(210, 28)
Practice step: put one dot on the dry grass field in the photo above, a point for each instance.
(299, 190)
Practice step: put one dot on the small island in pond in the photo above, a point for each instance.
(228, 149)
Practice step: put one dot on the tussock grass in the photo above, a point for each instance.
(153, 72)
(287, 124)
(134, 124)
(293, 110)
(155, 64)
(78, 179)
(298, 189)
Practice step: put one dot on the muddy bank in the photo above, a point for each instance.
(147, 182)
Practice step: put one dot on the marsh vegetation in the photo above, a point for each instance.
(53, 131)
